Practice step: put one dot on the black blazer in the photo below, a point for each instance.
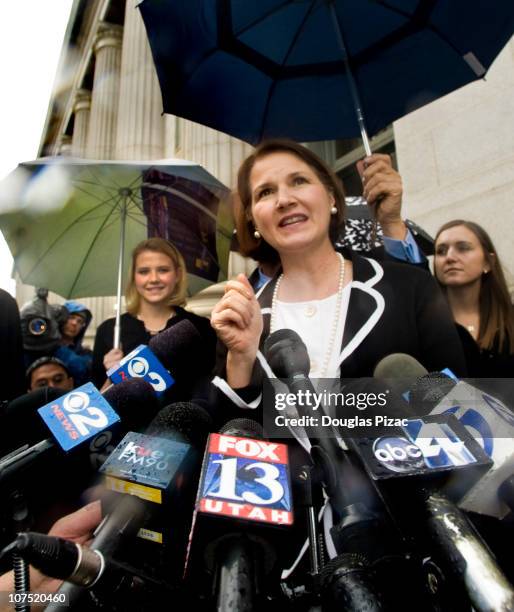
(394, 308)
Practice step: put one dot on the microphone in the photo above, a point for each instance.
(431, 449)
(243, 503)
(467, 557)
(162, 465)
(74, 563)
(60, 558)
(19, 422)
(287, 356)
(429, 390)
(487, 420)
(178, 348)
(439, 449)
(134, 400)
(347, 582)
(45, 472)
(491, 423)
(238, 573)
(164, 352)
(399, 366)
(189, 357)
(407, 378)
(361, 524)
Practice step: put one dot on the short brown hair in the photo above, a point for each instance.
(259, 249)
(42, 361)
(496, 312)
(157, 245)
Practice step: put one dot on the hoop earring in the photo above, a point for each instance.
(256, 235)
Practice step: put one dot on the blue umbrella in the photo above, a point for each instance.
(303, 68)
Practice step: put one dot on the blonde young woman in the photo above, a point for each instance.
(155, 295)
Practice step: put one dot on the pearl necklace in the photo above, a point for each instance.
(335, 321)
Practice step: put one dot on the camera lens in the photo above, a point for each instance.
(37, 327)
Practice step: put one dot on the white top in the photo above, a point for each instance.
(314, 322)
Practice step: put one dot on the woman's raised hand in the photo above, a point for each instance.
(112, 358)
(383, 190)
(237, 319)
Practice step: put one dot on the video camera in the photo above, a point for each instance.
(40, 323)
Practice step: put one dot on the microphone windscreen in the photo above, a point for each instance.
(399, 371)
(177, 347)
(400, 366)
(21, 423)
(134, 400)
(245, 428)
(287, 354)
(191, 421)
(429, 390)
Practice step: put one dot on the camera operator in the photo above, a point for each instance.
(50, 330)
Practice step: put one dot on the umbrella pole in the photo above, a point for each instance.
(351, 81)
(117, 325)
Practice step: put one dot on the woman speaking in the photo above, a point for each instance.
(350, 311)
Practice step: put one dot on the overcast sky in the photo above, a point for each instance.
(31, 36)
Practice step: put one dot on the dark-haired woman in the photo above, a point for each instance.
(350, 311)
(468, 269)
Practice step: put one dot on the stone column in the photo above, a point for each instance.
(217, 152)
(81, 110)
(140, 127)
(171, 136)
(65, 145)
(105, 94)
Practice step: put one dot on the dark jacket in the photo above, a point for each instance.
(11, 362)
(394, 308)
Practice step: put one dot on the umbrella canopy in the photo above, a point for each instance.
(287, 67)
(66, 221)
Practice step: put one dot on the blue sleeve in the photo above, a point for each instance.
(263, 279)
(406, 250)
